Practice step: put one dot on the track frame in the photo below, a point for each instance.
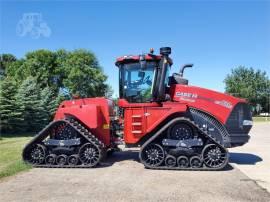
(79, 128)
(202, 131)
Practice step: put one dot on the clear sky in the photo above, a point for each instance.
(214, 35)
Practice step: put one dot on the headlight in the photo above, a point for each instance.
(247, 123)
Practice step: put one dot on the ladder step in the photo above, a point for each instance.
(136, 116)
(136, 124)
(137, 132)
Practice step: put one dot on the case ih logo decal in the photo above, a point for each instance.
(189, 95)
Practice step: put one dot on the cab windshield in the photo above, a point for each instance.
(136, 83)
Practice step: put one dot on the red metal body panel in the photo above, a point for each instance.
(218, 104)
(93, 112)
(123, 103)
(142, 118)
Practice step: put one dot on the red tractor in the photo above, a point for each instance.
(176, 126)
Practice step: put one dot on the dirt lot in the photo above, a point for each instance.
(123, 178)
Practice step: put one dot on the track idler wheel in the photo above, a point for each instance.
(214, 156)
(61, 159)
(50, 159)
(170, 161)
(182, 162)
(73, 160)
(152, 155)
(90, 154)
(37, 154)
(195, 162)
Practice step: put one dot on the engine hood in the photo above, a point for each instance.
(220, 105)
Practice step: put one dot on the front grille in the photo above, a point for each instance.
(236, 119)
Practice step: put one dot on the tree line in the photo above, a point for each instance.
(252, 85)
(32, 87)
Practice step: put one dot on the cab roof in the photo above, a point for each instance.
(135, 58)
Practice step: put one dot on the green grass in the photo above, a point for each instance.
(261, 119)
(10, 154)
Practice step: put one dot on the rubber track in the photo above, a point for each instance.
(79, 128)
(200, 130)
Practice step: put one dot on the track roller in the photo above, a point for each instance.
(73, 159)
(170, 161)
(61, 159)
(195, 162)
(50, 159)
(182, 162)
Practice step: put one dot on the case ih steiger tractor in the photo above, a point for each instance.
(176, 126)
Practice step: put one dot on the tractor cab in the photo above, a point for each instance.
(144, 78)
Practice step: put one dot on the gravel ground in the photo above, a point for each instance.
(253, 159)
(123, 178)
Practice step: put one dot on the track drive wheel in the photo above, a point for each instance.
(90, 154)
(214, 156)
(180, 131)
(64, 132)
(152, 155)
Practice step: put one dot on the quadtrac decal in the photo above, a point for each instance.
(224, 103)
